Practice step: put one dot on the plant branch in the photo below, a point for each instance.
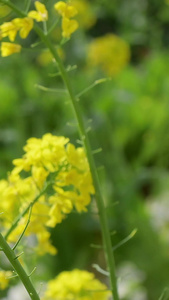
(10, 254)
(84, 136)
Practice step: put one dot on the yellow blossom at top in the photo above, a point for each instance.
(4, 279)
(9, 48)
(76, 284)
(110, 53)
(40, 14)
(65, 9)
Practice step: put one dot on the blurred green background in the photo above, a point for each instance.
(129, 120)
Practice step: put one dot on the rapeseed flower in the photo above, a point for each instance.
(86, 17)
(68, 27)
(40, 14)
(23, 25)
(76, 284)
(9, 48)
(110, 53)
(51, 160)
(67, 11)
(8, 29)
(4, 279)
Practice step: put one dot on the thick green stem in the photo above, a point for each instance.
(10, 254)
(98, 195)
(85, 139)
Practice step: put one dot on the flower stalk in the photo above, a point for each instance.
(13, 259)
(98, 195)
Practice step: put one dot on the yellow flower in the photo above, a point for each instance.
(86, 17)
(44, 245)
(24, 25)
(76, 284)
(110, 53)
(9, 48)
(48, 152)
(65, 10)
(68, 27)
(39, 175)
(40, 14)
(8, 29)
(4, 279)
(53, 160)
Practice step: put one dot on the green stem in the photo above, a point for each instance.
(28, 4)
(85, 139)
(98, 195)
(10, 254)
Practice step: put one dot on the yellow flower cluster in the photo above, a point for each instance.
(4, 279)
(48, 160)
(110, 53)
(76, 284)
(67, 12)
(25, 25)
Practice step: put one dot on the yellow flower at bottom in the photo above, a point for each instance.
(9, 48)
(68, 27)
(76, 284)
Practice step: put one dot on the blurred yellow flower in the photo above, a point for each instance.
(24, 25)
(65, 10)
(45, 57)
(86, 17)
(68, 27)
(9, 48)
(8, 29)
(110, 53)
(4, 10)
(4, 279)
(76, 284)
(40, 14)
